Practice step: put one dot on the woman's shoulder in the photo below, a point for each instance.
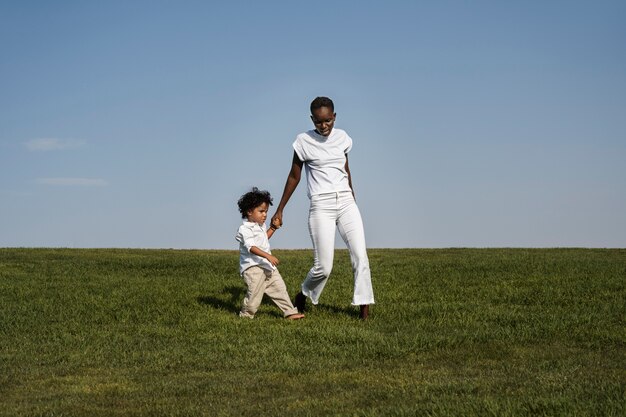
(307, 139)
(341, 135)
(308, 135)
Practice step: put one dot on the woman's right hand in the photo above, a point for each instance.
(277, 219)
(277, 223)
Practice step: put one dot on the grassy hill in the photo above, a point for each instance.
(454, 332)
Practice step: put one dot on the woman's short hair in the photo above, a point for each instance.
(322, 102)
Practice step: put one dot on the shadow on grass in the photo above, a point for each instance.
(346, 311)
(230, 300)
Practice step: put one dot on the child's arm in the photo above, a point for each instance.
(256, 251)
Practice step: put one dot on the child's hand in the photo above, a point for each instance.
(273, 260)
(276, 223)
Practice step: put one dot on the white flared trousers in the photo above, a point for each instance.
(327, 213)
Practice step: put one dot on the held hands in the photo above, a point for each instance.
(275, 225)
(277, 222)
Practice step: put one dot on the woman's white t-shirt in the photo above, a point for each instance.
(324, 160)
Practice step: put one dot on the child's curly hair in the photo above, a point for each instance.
(251, 200)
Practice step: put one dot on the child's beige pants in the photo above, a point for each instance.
(260, 281)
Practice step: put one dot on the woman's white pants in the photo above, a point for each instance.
(327, 213)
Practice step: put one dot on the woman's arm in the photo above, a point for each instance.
(349, 177)
(293, 179)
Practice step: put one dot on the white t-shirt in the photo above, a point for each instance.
(324, 160)
(253, 234)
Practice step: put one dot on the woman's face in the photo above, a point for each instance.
(324, 120)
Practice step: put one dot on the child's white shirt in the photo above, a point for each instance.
(325, 160)
(253, 234)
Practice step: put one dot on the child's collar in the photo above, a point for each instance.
(248, 223)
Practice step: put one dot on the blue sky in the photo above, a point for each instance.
(480, 124)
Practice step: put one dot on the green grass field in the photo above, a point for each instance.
(499, 332)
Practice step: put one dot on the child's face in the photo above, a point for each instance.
(258, 214)
(324, 120)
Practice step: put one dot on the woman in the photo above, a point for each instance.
(324, 153)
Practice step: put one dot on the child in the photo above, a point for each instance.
(257, 265)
